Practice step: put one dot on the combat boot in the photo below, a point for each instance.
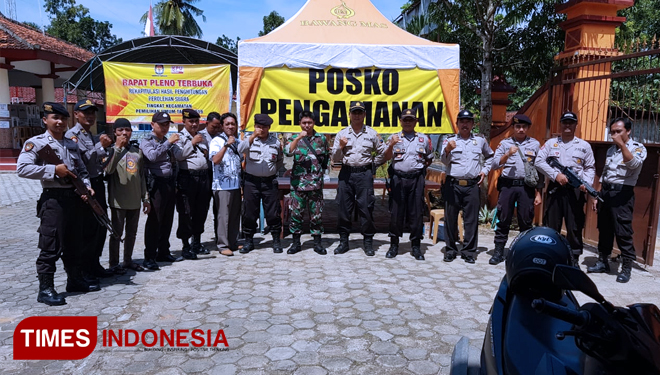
(602, 266)
(197, 246)
(295, 246)
(277, 245)
(394, 248)
(368, 243)
(343, 244)
(76, 283)
(626, 270)
(416, 250)
(498, 254)
(47, 293)
(318, 246)
(249, 244)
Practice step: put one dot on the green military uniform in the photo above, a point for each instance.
(307, 181)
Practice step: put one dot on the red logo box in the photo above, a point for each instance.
(55, 337)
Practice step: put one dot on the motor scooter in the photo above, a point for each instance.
(537, 326)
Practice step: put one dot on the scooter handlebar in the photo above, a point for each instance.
(576, 317)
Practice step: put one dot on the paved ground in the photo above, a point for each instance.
(282, 314)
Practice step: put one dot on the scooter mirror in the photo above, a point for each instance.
(572, 278)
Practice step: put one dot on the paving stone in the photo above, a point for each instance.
(337, 364)
(384, 348)
(310, 370)
(423, 367)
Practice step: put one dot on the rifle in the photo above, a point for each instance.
(48, 155)
(573, 178)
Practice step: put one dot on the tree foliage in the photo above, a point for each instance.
(516, 39)
(176, 17)
(72, 22)
(271, 22)
(228, 43)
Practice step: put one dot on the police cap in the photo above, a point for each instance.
(189, 113)
(55, 108)
(161, 118)
(465, 114)
(521, 119)
(84, 104)
(408, 113)
(356, 106)
(568, 116)
(121, 123)
(263, 119)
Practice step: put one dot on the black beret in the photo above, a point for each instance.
(408, 113)
(356, 106)
(50, 107)
(521, 119)
(465, 114)
(568, 116)
(189, 113)
(121, 123)
(161, 117)
(84, 105)
(263, 119)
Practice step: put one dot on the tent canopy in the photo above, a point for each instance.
(344, 34)
(163, 49)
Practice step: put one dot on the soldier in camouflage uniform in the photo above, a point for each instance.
(310, 159)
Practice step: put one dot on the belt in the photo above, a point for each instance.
(617, 187)
(505, 181)
(408, 175)
(200, 172)
(256, 179)
(97, 178)
(463, 182)
(60, 192)
(362, 168)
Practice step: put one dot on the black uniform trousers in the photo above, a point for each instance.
(459, 197)
(566, 204)
(60, 211)
(159, 222)
(615, 215)
(192, 202)
(356, 187)
(255, 190)
(407, 202)
(93, 232)
(512, 192)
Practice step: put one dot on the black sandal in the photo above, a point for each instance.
(135, 267)
(117, 270)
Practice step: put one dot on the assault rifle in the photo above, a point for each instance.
(48, 155)
(573, 178)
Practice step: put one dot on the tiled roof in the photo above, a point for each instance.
(27, 95)
(14, 35)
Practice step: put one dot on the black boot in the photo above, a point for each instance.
(343, 244)
(92, 281)
(197, 246)
(248, 246)
(498, 254)
(318, 246)
(626, 270)
(47, 293)
(368, 243)
(187, 252)
(416, 250)
(601, 266)
(277, 245)
(76, 283)
(394, 248)
(295, 246)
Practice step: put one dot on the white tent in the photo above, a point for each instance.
(343, 45)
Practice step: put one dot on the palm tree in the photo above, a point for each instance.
(176, 17)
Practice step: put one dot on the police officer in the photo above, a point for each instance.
(194, 188)
(94, 154)
(263, 159)
(462, 155)
(212, 129)
(59, 207)
(511, 184)
(623, 164)
(310, 153)
(411, 152)
(565, 203)
(354, 147)
(160, 155)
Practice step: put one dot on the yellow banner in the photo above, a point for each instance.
(283, 93)
(137, 91)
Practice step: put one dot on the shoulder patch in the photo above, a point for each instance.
(29, 146)
(74, 138)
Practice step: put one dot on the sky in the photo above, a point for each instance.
(234, 18)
